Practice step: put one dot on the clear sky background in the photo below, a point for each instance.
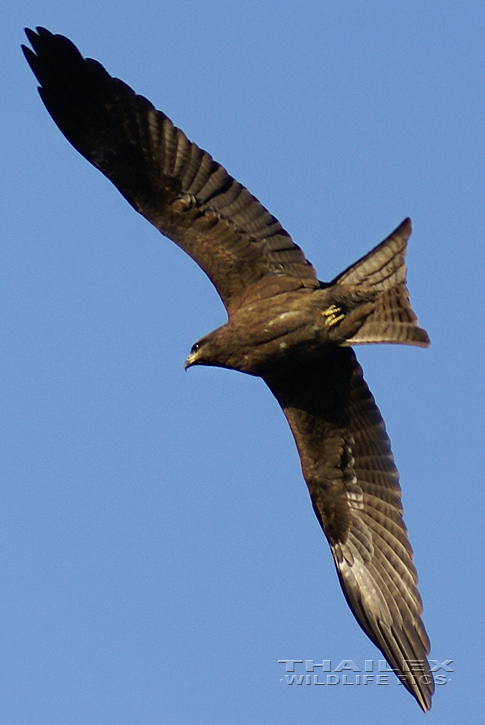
(158, 550)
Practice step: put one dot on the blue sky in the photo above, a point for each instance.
(158, 549)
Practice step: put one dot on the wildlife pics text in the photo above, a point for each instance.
(347, 672)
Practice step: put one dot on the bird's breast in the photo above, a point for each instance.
(267, 331)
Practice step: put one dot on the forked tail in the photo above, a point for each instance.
(384, 270)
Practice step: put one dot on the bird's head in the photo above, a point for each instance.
(203, 352)
(195, 355)
(215, 349)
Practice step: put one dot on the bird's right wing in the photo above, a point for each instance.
(172, 182)
(353, 482)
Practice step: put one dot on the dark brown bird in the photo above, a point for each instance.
(283, 325)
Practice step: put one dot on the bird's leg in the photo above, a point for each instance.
(333, 315)
(344, 329)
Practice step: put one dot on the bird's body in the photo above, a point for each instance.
(284, 325)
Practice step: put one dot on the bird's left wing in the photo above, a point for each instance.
(353, 482)
(176, 185)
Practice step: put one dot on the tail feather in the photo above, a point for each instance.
(384, 270)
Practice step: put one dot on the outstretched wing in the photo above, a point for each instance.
(178, 187)
(349, 469)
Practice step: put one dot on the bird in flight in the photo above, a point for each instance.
(284, 326)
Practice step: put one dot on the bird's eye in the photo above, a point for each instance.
(195, 347)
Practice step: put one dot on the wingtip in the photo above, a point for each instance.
(34, 35)
(404, 230)
(423, 698)
(29, 33)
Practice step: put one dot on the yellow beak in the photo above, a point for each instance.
(191, 360)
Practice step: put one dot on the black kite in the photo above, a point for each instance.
(283, 325)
